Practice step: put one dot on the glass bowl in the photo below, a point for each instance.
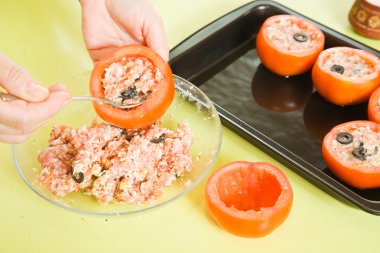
(190, 105)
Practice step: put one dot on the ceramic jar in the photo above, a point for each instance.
(365, 18)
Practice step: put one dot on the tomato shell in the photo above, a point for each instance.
(249, 199)
(360, 176)
(341, 90)
(287, 62)
(155, 105)
(374, 106)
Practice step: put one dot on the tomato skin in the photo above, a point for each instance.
(341, 90)
(154, 106)
(374, 106)
(249, 223)
(287, 63)
(361, 177)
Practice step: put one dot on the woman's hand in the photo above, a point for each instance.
(20, 118)
(108, 24)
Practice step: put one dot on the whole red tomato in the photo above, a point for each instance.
(351, 151)
(288, 45)
(154, 106)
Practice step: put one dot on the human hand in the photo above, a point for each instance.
(20, 118)
(108, 24)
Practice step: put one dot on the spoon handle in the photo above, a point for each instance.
(99, 100)
(6, 97)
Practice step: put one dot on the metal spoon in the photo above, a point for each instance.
(110, 102)
(10, 97)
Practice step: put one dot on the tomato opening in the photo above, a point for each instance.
(246, 189)
(155, 105)
(249, 199)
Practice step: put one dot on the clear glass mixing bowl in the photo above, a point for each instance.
(190, 105)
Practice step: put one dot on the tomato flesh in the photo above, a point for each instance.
(249, 199)
(246, 190)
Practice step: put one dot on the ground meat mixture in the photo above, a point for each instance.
(130, 80)
(363, 150)
(281, 33)
(351, 65)
(113, 164)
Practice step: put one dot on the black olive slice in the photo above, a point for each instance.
(158, 139)
(131, 92)
(337, 68)
(300, 37)
(77, 176)
(344, 138)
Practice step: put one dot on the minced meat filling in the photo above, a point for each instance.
(353, 65)
(281, 33)
(366, 141)
(115, 164)
(127, 81)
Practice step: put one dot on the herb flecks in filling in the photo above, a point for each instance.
(158, 139)
(361, 152)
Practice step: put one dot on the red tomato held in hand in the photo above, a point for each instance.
(288, 45)
(249, 199)
(374, 106)
(351, 151)
(346, 76)
(154, 106)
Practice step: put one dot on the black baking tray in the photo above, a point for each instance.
(285, 117)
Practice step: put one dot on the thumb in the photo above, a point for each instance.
(18, 82)
(156, 40)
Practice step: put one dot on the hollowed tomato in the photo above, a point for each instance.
(154, 106)
(374, 106)
(288, 45)
(346, 76)
(351, 151)
(249, 199)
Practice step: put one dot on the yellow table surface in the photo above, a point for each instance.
(45, 38)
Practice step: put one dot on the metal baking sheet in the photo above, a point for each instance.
(285, 117)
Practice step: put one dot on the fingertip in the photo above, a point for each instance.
(57, 87)
(164, 54)
(35, 93)
(161, 50)
(157, 41)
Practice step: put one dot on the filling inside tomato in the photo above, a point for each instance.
(347, 64)
(247, 189)
(357, 146)
(130, 80)
(292, 34)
